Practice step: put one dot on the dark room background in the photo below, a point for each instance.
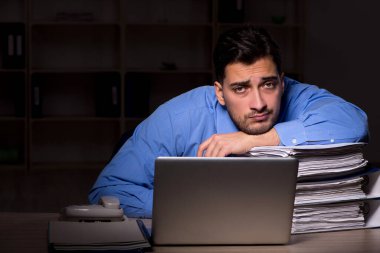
(76, 75)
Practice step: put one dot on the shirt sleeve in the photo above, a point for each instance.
(315, 116)
(129, 175)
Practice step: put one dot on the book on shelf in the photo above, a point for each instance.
(107, 92)
(336, 188)
(12, 40)
(36, 100)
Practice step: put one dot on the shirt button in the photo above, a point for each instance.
(294, 141)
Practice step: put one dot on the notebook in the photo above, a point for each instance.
(223, 201)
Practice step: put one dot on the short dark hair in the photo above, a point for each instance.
(245, 44)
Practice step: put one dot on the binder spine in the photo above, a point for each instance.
(36, 101)
(107, 92)
(13, 45)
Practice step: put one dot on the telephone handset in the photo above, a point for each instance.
(107, 210)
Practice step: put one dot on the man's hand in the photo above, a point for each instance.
(221, 145)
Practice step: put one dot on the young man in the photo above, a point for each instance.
(251, 104)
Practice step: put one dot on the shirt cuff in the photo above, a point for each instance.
(291, 133)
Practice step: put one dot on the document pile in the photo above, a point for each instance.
(97, 236)
(319, 161)
(335, 191)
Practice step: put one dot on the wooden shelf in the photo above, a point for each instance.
(73, 70)
(13, 11)
(72, 23)
(68, 166)
(100, 11)
(167, 12)
(174, 71)
(168, 25)
(3, 70)
(75, 47)
(264, 25)
(12, 119)
(55, 119)
(13, 167)
(92, 70)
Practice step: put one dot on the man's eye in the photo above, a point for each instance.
(269, 85)
(239, 89)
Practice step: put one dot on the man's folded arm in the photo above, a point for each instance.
(129, 175)
(136, 201)
(325, 122)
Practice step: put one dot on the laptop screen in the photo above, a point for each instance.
(223, 201)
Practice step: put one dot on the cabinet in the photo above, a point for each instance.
(75, 75)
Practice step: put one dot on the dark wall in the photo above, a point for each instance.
(342, 52)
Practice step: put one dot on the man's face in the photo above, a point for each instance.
(252, 95)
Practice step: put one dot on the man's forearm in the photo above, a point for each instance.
(220, 145)
(269, 138)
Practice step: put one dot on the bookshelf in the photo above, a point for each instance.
(13, 76)
(84, 72)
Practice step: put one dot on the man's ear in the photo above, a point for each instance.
(219, 92)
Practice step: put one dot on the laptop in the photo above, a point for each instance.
(223, 201)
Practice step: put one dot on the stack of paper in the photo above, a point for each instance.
(331, 179)
(309, 150)
(328, 217)
(330, 191)
(319, 161)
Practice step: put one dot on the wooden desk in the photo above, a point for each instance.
(27, 232)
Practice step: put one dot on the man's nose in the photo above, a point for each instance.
(257, 102)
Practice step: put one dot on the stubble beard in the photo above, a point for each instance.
(253, 128)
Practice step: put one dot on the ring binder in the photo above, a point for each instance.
(13, 45)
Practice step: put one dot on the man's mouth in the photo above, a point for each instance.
(259, 116)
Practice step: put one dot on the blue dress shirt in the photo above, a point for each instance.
(308, 115)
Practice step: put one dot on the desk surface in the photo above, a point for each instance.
(27, 232)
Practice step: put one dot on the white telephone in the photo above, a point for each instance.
(107, 210)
